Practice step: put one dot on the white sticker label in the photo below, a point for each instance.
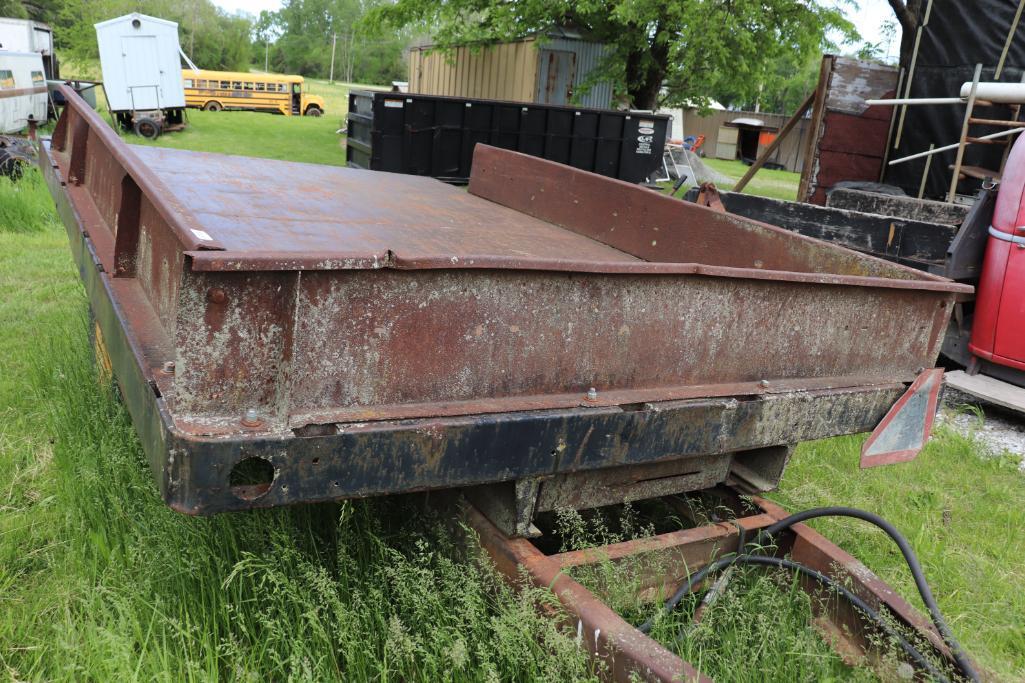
(202, 234)
(393, 103)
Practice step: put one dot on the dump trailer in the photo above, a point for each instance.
(284, 333)
(549, 338)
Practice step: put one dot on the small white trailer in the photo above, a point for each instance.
(22, 91)
(23, 104)
(25, 35)
(142, 76)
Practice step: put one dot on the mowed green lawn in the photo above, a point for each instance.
(296, 138)
(100, 581)
(766, 183)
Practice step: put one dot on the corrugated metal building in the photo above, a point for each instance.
(790, 153)
(545, 68)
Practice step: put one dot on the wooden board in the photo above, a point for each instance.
(988, 389)
(855, 81)
(914, 243)
(891, 205)
(848, 138)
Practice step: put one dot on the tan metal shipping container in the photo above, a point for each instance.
(505, 71)
(547, 70)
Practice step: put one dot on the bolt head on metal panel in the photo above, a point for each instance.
(251, 418)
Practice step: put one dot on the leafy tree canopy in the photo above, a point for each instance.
(299, 39)
(662, 51)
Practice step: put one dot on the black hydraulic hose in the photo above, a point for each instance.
(909, 556)
(920, 659)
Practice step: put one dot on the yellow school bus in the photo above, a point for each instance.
(217, 90)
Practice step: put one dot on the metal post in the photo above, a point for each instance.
(266, 55)
(334, 42)
(1010, 37)
(911, 74)
(889, 132)
(964, 133)
(925, 173)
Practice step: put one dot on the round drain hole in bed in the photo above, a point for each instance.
(251, 478)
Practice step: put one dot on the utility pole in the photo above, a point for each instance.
(266, 55)
(348, 59)
(334, 42)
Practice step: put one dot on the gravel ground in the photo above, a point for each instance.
(999, 430)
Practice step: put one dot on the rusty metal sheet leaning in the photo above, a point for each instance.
(365, 333)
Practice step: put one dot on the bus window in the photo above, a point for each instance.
(6, 79)
(297, 88)
(260, 87)
(247, 86)
(282, 87)
(38, 78)
(225, 85)
(236, 85)
(188, 82)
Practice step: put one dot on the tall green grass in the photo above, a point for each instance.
(759, 628)
(103, 582)
(25, 204)
(962, 509)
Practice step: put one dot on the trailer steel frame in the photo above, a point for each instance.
(629, 655)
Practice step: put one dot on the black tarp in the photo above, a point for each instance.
(960, 34)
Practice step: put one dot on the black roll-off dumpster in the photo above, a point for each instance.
(435, 136)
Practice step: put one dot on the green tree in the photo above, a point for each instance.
(907, 12)
(307, 29)
(784, 83)
(690, 48)
(211, 38)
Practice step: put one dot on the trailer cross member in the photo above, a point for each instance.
(630, 655)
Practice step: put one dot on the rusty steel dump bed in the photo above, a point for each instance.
(364, 333)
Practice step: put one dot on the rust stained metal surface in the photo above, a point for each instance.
(419, 325)
(630, 655)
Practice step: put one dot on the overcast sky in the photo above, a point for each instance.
(868, 18)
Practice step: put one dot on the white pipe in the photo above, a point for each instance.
(917, 100)
(999, 93)
(947, 148)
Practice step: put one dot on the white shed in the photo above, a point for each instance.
(141, 63)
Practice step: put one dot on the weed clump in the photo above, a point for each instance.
(25, 203)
